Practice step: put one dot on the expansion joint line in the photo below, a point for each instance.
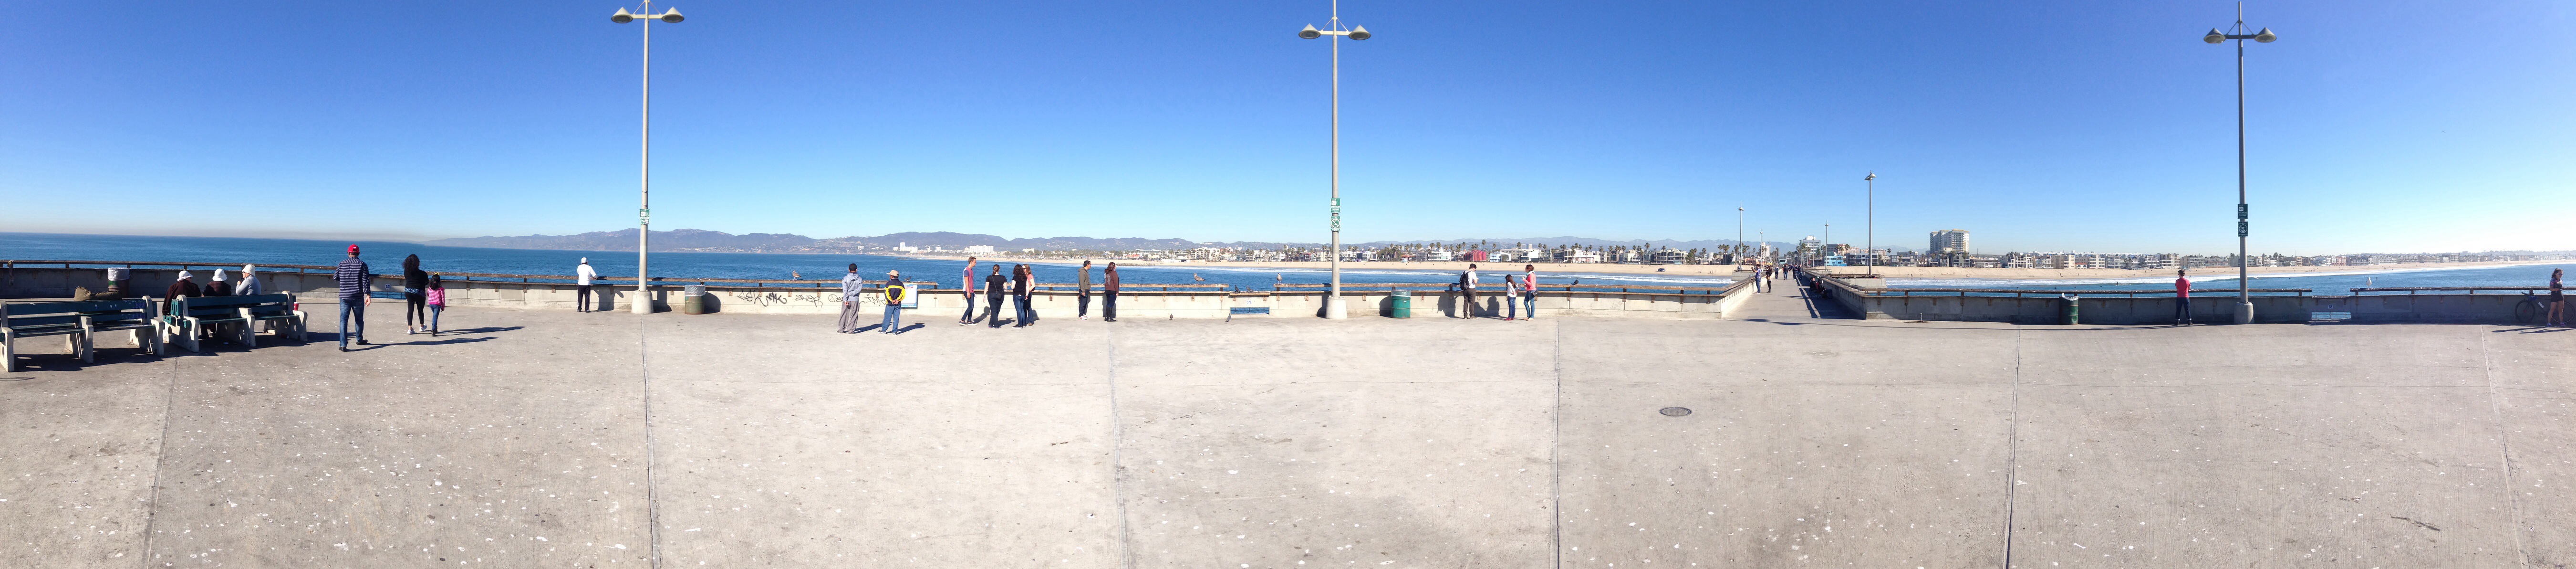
(2504, 448)
(1556, 444)
(1117, 442)
(160, 458)
(652, 496)
(2012, 452)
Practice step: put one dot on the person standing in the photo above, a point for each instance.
(1467, 286)
(2557, 297)
(969, 280)
(1109, 293)
(353, 278)
(1529, 292)
(437, 293)
(2182, 297)
(851, 286)
(994, 286)
(1082, 292)
(581, 278)
(415, 299)
(1020, 296)
(1511, 289)
(894, 292)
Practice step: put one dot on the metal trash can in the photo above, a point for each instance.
(2071, 318)
(1401, 305)
(695, 301)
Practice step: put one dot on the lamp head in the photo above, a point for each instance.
(2265, 36)
(1872, 176)
(2214, 36)
(1309, 32)
(671, 16)
(622, 16)
(1359, 32)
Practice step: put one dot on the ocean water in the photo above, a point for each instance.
(386, 257)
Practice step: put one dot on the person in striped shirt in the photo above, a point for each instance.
(353, 277)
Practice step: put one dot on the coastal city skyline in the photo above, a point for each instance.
(2106, 131)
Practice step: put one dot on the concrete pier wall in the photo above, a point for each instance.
(2207, 309)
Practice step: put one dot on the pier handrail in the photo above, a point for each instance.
(717, 281)
(2469, 289)
(2019, 293)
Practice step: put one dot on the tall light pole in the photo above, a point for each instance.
(1828, 239)
(1739, 233)
(644, 213)
(1869, 244)
(1333, 295)
(2244, 280)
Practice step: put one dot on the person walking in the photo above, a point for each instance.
(2557, 297)
(851, 286)
(969, 279)
(437, 293)
(994, 286)
(1467, 288)
(2182, 297)
(1082, 292)
(1020, 296)
(581, 277)
(1109, 293)
(1529, 292)
(415, 299)
(353, 277)
(894, 292)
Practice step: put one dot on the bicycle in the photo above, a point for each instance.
(2529, 309)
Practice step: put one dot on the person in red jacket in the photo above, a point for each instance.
(2182, 297)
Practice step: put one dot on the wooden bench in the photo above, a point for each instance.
(79, 323)
(190, 317)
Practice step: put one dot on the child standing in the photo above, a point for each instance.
(437, 294)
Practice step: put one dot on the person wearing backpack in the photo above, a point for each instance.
(1467, 289)
(894, 292)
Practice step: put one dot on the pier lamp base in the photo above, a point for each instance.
(1333, 307)
(2245, 313)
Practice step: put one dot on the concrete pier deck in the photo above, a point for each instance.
(524, 440)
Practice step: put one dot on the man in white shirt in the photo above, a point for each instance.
(581, 278)
(1467, 286)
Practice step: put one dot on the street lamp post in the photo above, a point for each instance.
(1869, 244)
(643, 303)
(2244, 282)
(1333, 295)
(1739, 234)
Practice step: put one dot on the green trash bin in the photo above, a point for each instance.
(1402, 304)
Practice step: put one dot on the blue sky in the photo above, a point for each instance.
(2376, 126)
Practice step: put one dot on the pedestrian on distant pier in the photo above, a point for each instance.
(437, 293)
(995, 285)
(1529, 292)
(1082, 292)
(581, 277)
(354, 277)
(851, 286)
(1020, 296)
(1467, 289)
(969, 280)
(2557, 297)
(415, 295)
(1109, 293)
(894, 293)
(2182, 297)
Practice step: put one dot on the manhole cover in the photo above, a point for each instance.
(1675, 411)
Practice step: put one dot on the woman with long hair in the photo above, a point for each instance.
(415, 299)
(2557, 297)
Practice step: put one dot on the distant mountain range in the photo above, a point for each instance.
(718, 241)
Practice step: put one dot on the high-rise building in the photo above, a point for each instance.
(1950, 239)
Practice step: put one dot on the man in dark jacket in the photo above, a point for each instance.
(1109, 293)
(994, 287)
(354, 277)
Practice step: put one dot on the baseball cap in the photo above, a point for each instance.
(353, 248)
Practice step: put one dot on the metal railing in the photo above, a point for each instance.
(2466, 289)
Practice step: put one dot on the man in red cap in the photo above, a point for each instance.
(353, 278)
